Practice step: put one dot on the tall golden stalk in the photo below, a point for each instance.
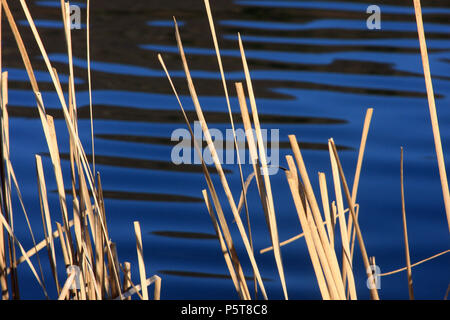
(432, 109)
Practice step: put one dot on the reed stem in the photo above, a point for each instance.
(432, 108)
(405, 231)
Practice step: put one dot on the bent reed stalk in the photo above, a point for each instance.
(335, 277)
(89, 255)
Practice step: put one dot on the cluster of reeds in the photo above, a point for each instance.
(89, 256)
(335, 277)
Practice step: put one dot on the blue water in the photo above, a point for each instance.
(329, 24)
(401, 118)
(340, 6)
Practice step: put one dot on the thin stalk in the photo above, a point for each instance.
(46, 220)
(271, 216)
(346, 262)
(215, 198)
(22, 250)
(157, 290)
(218, 164)
(373, 290)
(126, 278)
(298, 236)
(432, 108)
(6, 183)
(227, 98)
(292, 178)
(223, 247)
(67, 286)
(326, 207)
(88, 58)
(3, 266)
(252, 146)
(415, 264)
(331, 254)
(137, 288)
(140, 253)
(405, 231)
(362, 148)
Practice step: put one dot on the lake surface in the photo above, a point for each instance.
(316, 69)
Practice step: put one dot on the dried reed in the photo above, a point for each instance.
(84, 239)
(432, 108)
(333, 282)
(405, 231)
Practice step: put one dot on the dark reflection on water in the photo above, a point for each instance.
(203, 275)
(184, 235)
(227, 145)
(143, 196)
(167, 116)
(145, 164)
(315, 69)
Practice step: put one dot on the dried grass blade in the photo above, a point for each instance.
(253, 155)
(33, 270)
(63, 245)
(263, 160)
(113, 266)
(215, 198)
(362, 148)
(19, 194)
(324, 259)
(96, 294)
(140, 254)
(432, 108)
(67, 29)
(56, 162)
(126, 278)
(218, 165)
(373, 290)
(3, 265)
(326, 207)
(67, 286)
(330, 253)
(293, 184)
(137, 288)
(226, 255)
(127, 296)
(46, 219)
(296, 237)
(42, 244)
(346, 261)
(225, 88)
(405, 231)
(415, 264)
(6, 182)
(157, 290)
(88, 58)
